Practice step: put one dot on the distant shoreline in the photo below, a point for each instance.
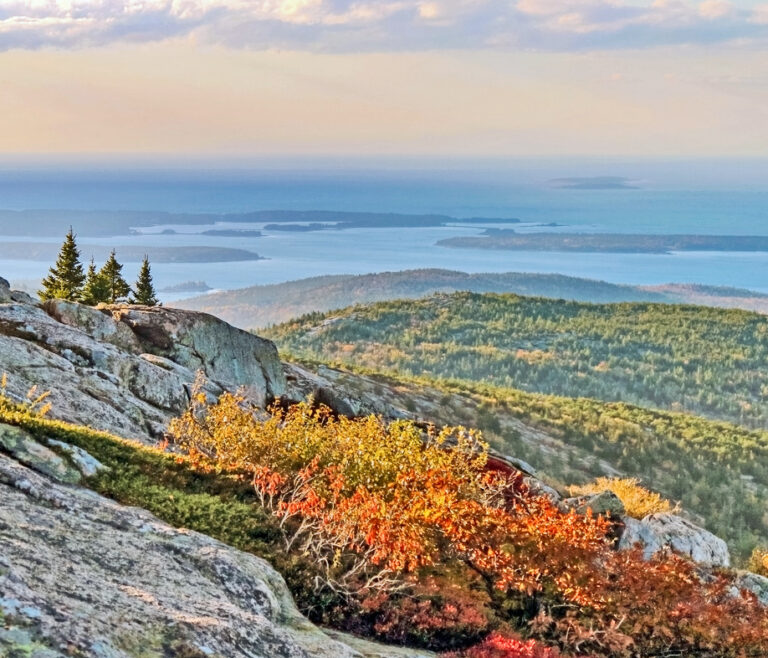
(106, 223)
(43, 251)
(607, 242)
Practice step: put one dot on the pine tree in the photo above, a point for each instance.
(112, 273)
(65, 279)
(144, 291)
(96, 288)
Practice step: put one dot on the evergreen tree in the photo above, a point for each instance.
(112, 273)
(144, 291)
(96, 289)
(65, 279)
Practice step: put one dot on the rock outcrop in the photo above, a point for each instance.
(82, 575)
(127, 369)
(754, 583)
(659, 531)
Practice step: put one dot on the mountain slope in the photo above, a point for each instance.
(261, 306)
(66, 552)
(702, 360)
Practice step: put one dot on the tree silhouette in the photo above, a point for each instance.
(144, 291)
(65, 279)
(96, 288)
(112, 274)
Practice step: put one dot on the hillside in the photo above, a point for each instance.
(264, 305)
(702, 360)
(379, 524)
(718, 471)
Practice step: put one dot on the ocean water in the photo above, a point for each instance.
(719, 199)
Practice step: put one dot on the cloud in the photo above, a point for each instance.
(760, 15)
(715, 8)
(381, 25)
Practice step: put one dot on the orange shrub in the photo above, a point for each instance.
(379, 506)
(498, 645)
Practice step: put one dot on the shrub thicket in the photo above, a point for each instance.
(384, 512)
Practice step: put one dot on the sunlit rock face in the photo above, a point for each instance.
(127, 369)
(669, 531)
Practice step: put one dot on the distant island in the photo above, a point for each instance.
(607, 242)
(233, 233)
(107, 223)
(42, 251)
(593, 183)
(299, 228)
(187, 286)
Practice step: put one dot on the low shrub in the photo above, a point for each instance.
(498, 645)
(384, 507)
(638, 501)
(758, 561)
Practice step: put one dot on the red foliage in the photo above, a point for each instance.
(497, 645)
(437, 610)
(377, 509)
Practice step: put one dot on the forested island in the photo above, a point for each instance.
(607, 242)
(232, 233)
(187, 286)
(43, 251)
(101, 223)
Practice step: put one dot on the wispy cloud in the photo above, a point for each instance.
(383, 25)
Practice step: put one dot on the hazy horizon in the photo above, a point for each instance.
(437, 78)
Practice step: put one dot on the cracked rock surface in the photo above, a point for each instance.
(127, 369)
(83, 575)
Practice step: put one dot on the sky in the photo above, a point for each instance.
(439, 78)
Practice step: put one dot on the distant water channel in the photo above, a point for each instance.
(660, 205)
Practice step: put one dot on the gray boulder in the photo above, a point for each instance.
(86, 463)
(669, 531)
(754, 583)
(7, 295)
(23, 447)
(230, 357)
(83, 575)
(5, 291)
(99, 325)
(128, 370)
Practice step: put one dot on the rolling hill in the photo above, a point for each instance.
(707, 361)
(264, 305)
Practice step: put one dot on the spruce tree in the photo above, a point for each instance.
(65, 279)
(112, 273)
(144, 292)
(96, 289)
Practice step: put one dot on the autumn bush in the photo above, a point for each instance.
(638, 501)
(758, 561)
(498, 645)
(423, 544)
